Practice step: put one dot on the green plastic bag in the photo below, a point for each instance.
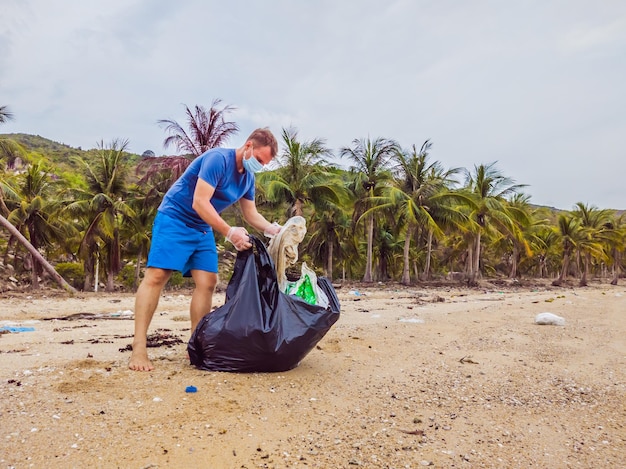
(306, 288)
(306, 291)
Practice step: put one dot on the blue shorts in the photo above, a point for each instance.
(176, 246)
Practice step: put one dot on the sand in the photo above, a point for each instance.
(407, 378)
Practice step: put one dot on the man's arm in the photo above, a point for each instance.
(253, 217)
(203, 207)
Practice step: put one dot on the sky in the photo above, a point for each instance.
(536, 87)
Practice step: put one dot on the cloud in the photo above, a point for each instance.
(535, 86)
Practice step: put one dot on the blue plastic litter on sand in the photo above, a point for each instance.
(191, 389)
(17, 329)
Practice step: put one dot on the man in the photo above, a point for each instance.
(182, 235)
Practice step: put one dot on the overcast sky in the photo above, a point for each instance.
(538, 86)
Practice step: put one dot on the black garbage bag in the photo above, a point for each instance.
(259, 328)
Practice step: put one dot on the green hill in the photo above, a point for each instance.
(59, 154)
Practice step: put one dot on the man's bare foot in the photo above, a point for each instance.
(139, 360)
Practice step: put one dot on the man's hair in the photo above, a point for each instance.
(264, 138)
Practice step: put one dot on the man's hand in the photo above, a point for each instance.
(239, 238)
(272, 230)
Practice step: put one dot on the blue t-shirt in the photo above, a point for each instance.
(218, 167)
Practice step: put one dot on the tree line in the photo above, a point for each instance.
(395, 214)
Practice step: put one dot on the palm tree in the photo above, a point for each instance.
(35, 209)
(302, 176)
(518, 233)
(569, 233)
(207, 129)
(101, 206)
(420, 198)
(545, 246)
(330, 227)
(136, 229)
(371, 171)
(305, 181)
(593, 225)
(5, 114)
(616, 243)
(485, 195)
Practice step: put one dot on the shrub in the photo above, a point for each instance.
(177, 281)
(72, 272)
(126, 277)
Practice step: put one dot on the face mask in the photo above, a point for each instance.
(252, 165)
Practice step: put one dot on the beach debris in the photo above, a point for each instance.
(550, 300)
(413, 432)
(160, 338)
(127, 314)
(549, 319)
(283, 248)
(412, 320)
(15, 329)
(191, 389)
(28, 322)
(468, 359)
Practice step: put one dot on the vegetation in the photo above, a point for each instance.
(390, 215)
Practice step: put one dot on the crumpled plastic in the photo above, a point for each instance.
(283, 248)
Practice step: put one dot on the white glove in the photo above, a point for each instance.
(272, 230)
(239, 238)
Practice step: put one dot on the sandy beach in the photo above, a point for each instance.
(408, 377)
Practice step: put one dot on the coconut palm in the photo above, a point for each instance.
(100, 206)
(420, 197)
(304, 181)
(616, 243)
(371, 172)
(36, 204)
(569, 233)
(5, 114)
(302, 176)
(593, 225)
(206, 129)
(136, 229)
(329, 226)
(544, 244)
(484, 195)
(519, 232)
(36, 255)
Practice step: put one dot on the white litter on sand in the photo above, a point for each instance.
(549, 319)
